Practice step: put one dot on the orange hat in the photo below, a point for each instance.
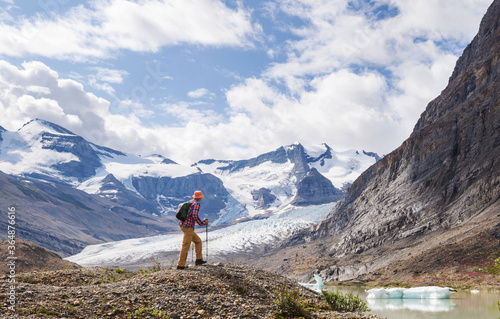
(198, 195)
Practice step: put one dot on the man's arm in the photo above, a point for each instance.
(196, 214)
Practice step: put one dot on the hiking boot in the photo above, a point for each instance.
(179, 267)
(199, 262)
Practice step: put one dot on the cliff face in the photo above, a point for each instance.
(443, 181)
(173, 191)
(448, 170)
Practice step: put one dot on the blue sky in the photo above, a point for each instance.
(230, 79)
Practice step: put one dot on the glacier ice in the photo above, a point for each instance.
(318, 286)
(240, 237)
(410, 293)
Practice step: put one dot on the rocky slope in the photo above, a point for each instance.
(31, 257)
(65, 220)
(211, 291)
(467, 263)
(440, 186)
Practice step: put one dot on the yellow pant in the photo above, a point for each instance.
(189, 237)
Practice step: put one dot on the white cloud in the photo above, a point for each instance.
(103, 77)
(364, 80)
(199, 93)
(36, 91)
(105, 27)
(106, 87)
(348, 80)
(341, 108)
(110, 75)
(187, 112)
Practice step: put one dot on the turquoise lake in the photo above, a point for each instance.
(461, 305)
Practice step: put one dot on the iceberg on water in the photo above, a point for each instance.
(318, 286)
(410, 293)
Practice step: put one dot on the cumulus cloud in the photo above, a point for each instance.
(110, 75)
(103, 77)
(37, 91)
(351, 77)
(188, 112)
(362, 78)
(199, 93)
(103, 27)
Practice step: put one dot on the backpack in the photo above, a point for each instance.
(182, 211)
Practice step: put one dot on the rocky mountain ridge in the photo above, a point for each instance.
(31, 257)
(440, 186)
(41, 150)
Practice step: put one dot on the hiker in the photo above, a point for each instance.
(187, 228)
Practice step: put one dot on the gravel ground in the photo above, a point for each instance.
(209, 291)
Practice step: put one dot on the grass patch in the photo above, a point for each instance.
(494, 270)
(68, 199)
(28, 190)
(348, 302)
(290, 304)
(44, 312)
(149, 313)
(156, 267)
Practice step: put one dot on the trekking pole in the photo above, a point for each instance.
(192, 250)
(206, 240)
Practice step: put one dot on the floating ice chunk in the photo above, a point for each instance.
(318, 286)
(386, 293)
(411, 293)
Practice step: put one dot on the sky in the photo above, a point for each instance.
(200, 79)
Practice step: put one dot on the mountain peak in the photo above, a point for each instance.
(476, 68)
(38, 126)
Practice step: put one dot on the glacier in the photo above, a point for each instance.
(241, 237)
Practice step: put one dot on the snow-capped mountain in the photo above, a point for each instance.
(269, 181)
(155, 184)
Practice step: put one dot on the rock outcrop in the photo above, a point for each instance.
(447, 171)
(114, 190)
(170, 192)
(315, 189)
(263, 198)
(31, 257)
